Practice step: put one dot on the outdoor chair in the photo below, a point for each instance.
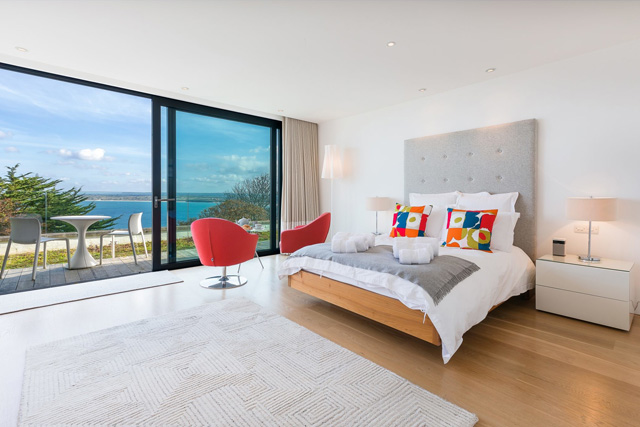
(28, 231)
(222, 243)
(135, 228)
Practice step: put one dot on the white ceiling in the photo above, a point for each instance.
(315, 60)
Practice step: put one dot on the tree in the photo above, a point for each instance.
(256, 191)
(234, 209)
(6, 211)
(32, 194)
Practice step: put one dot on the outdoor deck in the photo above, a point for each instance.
(19, 279)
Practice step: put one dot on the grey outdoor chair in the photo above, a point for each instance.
(135, 228)
(28, 231)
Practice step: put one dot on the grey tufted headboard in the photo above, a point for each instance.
(497, 159)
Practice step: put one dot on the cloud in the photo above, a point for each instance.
(96, 154)
(245, 163)
(11, 150)
(220, 178)
(140, 181)
(5, 135)
(259, 150)
(92, 155)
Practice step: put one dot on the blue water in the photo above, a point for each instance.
(128, 207)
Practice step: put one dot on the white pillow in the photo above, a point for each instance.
(438, 199)
(481, 193)
(502, 234)
(504, 202)
(438, 215)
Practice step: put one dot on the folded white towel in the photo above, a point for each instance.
(357, 242)
(360, 244)
(343, 246)
(400, 243)
(370, 238)
(416, 256)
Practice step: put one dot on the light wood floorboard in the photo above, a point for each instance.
(519, 367)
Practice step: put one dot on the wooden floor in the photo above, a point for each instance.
(519, 367)
(19, 279)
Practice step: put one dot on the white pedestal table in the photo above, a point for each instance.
(81, 258)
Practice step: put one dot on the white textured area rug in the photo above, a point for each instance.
(60, 294)
(226, 363)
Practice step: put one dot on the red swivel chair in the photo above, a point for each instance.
(221, 243)
(304, 235)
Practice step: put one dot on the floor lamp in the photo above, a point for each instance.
(331, 169)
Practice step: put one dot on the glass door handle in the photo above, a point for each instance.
(156, 199)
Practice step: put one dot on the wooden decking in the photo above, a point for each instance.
(19, 279)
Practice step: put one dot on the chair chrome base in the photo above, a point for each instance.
(224, 282)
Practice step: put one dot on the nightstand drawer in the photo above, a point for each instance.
(612, 284)
(605, 311)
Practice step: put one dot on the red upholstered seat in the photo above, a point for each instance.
(305, 235)
(221, 243)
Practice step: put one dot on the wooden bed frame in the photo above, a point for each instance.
(385, 310)
(388, 311)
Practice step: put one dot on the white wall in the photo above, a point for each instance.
(588, 112)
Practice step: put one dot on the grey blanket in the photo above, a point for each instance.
(437, 277)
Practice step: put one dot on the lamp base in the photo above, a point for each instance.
(375, 233)
(587, 258)
(224, 282)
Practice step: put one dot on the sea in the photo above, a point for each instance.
(124, 208)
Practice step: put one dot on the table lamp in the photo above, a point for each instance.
(591, 209)
(378, 204)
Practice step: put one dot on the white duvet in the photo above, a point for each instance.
(501, 276)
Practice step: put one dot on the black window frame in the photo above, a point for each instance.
(157, 102)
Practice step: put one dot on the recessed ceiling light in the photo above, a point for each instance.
(280, 111)
(422, 90)
(490, 70)
(391, 44)
(22, 49)
(184, 88)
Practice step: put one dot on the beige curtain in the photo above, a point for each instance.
(300, 173)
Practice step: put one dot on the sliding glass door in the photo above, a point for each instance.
(74, 147)
(212, 163)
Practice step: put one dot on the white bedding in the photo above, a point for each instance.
(501, 276)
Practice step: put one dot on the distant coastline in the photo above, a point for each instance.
(118, 200)
(99, 196)
(120, 208)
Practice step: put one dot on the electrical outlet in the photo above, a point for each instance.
(584, 228)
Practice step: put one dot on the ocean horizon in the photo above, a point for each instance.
(124, 208)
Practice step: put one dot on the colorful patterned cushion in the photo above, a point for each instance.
(470, 229)
(410, 221)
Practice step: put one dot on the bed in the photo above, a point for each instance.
(497, 159)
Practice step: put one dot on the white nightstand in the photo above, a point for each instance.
(599, 292)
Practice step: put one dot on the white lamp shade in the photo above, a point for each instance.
(592, 208)
(332, 165)
(378, 204)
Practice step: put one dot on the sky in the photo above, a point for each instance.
(101, 140)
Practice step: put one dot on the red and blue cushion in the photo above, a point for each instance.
(470, 229)
(410, 221)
